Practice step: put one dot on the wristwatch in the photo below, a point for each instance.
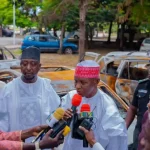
(37, 146)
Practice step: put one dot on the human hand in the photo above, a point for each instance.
(89, 136)
(36, 130)
(32, 131)
(68, 114)
(48, 142)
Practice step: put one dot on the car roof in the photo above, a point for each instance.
(147, 38)
(40, 35)
(127, 53)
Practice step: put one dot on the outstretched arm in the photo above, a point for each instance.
(47, 142)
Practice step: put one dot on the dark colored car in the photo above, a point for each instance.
(34, 32)
(7, 32)
(48, 43)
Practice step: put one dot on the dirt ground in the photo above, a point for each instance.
(66, 60)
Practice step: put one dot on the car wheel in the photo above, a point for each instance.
(76, 37)
(68, 50)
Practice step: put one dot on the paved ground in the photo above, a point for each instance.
(5, 41)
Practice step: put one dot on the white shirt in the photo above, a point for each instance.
(109, 128)
(25, 105)
(97, 146)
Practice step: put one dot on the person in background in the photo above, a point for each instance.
(138, 107)
(27, 101)
(14, 140)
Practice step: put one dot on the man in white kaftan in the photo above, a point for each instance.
(27, 100)
(109, 128)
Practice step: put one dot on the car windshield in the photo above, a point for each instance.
(147, 41)
(136, 70)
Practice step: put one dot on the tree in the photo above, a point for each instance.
(83, 6)
(57, 11)
(130, 15)
(26, 12)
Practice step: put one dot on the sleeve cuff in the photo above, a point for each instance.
(97, 146)
(20, 135)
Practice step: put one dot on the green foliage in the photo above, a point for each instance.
(26, 15)
(57, 13)
(54, 13)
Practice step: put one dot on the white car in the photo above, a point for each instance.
(76, 34)
(145, 46)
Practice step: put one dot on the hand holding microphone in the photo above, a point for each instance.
(51, 121)
(76, 100)
(48, 142)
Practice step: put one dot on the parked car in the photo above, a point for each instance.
(145, 46)
(7, 32)
(122, 71)
(48, 43)
(76, 34)
(7, 59)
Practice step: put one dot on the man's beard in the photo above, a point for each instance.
(24, 78)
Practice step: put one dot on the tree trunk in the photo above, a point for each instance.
(110, 28)
(0, 30)
(55, 33)
(83, 10)
(61, 39)
(122, 36)
(86, 38)
(118, 31)
(131, 38)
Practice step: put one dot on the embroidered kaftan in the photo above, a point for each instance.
(109, 129)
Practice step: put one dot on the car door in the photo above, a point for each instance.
(43, 43)
(53, 44)
(130, 72)
(121, 105)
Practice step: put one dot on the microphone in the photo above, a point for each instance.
(85, 112)
(51, 121)
(55, 117)
(87, 116)
(76, 100)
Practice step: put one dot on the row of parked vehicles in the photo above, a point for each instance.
(120, 74)
(121, 71)
(49, 43)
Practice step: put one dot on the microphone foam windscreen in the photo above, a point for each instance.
(85, 108)
(76, 100)
(59, 113)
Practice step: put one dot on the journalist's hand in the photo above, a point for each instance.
(68, 114)
(48, 142)
(89, 136)
(34, 131)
